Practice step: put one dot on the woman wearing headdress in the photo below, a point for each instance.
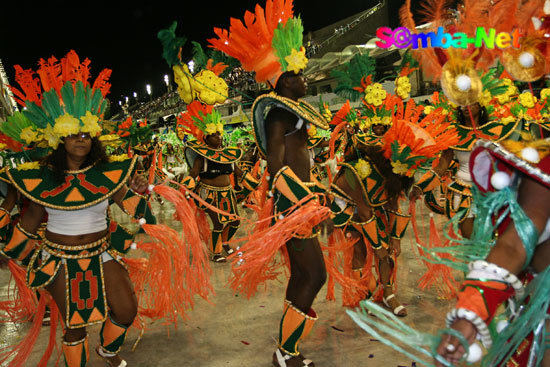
(211, 165)
(78, 261)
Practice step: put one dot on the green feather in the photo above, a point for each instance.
(287, 38)
(199, 56)
(79, 100)
(171, 44)
(37, 115)
(50, 103)
(68, 97)
(14, 124)
(349, 76)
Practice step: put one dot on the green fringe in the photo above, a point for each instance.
(478, 247)
(14, 125)
(388, 329)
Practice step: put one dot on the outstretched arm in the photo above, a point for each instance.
(508, 253)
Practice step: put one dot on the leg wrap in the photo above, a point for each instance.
(112, 336)
(369, 231)
(76, 353)
(216, 245)
(429, 181)
(398, 224)
(231, 232)
(295, 326)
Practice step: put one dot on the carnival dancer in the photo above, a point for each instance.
(211, 165)
(274, 51)
(367, 190)
(79, 260)
(73, 186)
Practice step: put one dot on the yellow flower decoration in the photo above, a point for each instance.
(428, 109)
(28, 134)
(526, 99)
(297, 60)
(210, 129)
(363, 168)
(219, 128)
(508, 119)
(403, 87)
(387, 120)
(185, 83)
(66, 125)
(28, 165)
(209, 88)
(485, 98)
(545, 93)
(108, 137)
(312, 131)
(91, 124)
(400, 168)
(50, 137)
(2, 146)
(118, 158)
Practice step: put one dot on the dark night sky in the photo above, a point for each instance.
(122, 35)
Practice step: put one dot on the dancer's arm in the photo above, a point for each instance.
(508, 253)
(432, 178)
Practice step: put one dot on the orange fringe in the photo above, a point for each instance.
(353, 291)
(18, 354)
(176, 269)
(255, 263)
(436, 275)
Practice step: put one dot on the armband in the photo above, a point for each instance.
(248, 184)
(484, 289)
(137, 206)
(429, 181)
(398, 224)
(19, 244)
(5, 224)
(290, 186)
(189, 182)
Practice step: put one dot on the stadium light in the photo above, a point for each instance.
(166, 80)
(191, 65)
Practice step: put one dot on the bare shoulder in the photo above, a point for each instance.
(280, 119)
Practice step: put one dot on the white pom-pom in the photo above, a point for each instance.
(151, 188)
(474, 353)
(500, 180)
(431, 215)
(527, 60)
(142, 221)
(133, 246)
(348, 235)
(268, 177)
(501, 325)
(530, 154)
(270, 193)
(463, 82)
(281, 216)
(450, 348)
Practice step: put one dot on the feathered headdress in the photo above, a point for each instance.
(411, 143)
(269, 42)
(59, 102)
(205, 85)
(200, 120)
